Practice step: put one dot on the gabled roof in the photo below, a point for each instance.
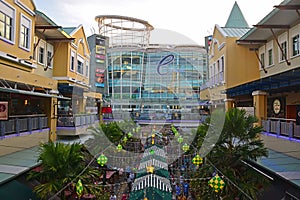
(236, 18)
(69, 30)
(235, 32)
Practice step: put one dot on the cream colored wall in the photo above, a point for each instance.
(14, 49)
(281, 66)
(241, 64)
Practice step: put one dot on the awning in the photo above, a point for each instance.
(18, 91)
(16, 191)
(108, 174)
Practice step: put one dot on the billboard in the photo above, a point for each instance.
(99, 77)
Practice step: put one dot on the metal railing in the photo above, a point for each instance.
(281, 126)
(23, 123)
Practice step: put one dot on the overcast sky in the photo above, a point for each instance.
(193, 18)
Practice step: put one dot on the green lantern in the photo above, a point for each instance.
(129, 135)
(180, 139)
(185, 147)
(119, 147)
(79, 188)
(216, 183)
(102, 160)
(197, 160)
(125, 139)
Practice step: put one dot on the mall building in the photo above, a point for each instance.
(148, 74)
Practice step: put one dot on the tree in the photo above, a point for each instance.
(238, 143)
(61, 165)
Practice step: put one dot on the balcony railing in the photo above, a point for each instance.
(281, 126)
(75, 121)
(23, 123)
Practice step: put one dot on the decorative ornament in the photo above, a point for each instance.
(125, 139)
(185, 147)
(102, 160)
(216, 183)
(129, 135)
(153, 136)
(79, 188)
(180, 139)
(197, 160)
(119, 147)
(150, 169)
(151, 152)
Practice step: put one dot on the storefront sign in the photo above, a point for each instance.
(276, 106)
(3, 110)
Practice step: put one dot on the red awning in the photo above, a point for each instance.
(108, 174)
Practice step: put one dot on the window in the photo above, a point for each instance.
(49, 55)
(7, 15)
(41, 55)
(80, 65)
(25, 32)
(270, 56)
(87, 68)
(262, 60)
(72, 61)
(284, 50)
(296, 46)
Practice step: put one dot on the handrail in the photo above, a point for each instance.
(280, 119)
(34, 115)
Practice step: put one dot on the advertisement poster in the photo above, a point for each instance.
(3, 110)
(99, 77)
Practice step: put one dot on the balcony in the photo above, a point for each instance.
(282, 127)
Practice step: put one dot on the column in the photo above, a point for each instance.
(260, 105)
(229, 103)
(52, 118)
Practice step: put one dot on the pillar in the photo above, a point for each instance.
(229, 103)
(260, 105)
(52, 119)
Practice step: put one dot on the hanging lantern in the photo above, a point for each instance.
(119, 147)
(216, 183)
(151, 152)
(79, 188)
(185, 147)
(180, 139)
(102, 160)
(129, 135)
(197, 160)
(125, 139)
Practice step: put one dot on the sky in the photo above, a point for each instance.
(194, 19)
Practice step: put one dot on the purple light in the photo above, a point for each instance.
(281, 137)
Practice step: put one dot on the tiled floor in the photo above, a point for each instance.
(16, 163)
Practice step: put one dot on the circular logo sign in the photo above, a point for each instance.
(276, 106)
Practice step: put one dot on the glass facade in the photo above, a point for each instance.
(157, 75)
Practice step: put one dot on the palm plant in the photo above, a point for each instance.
(239, 142)
(60, 165)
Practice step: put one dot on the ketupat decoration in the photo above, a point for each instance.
(185, 147)
(197, 160)
(79, 188)
(102, 160)
(180, 139)
(216, 183)
(119, 147)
